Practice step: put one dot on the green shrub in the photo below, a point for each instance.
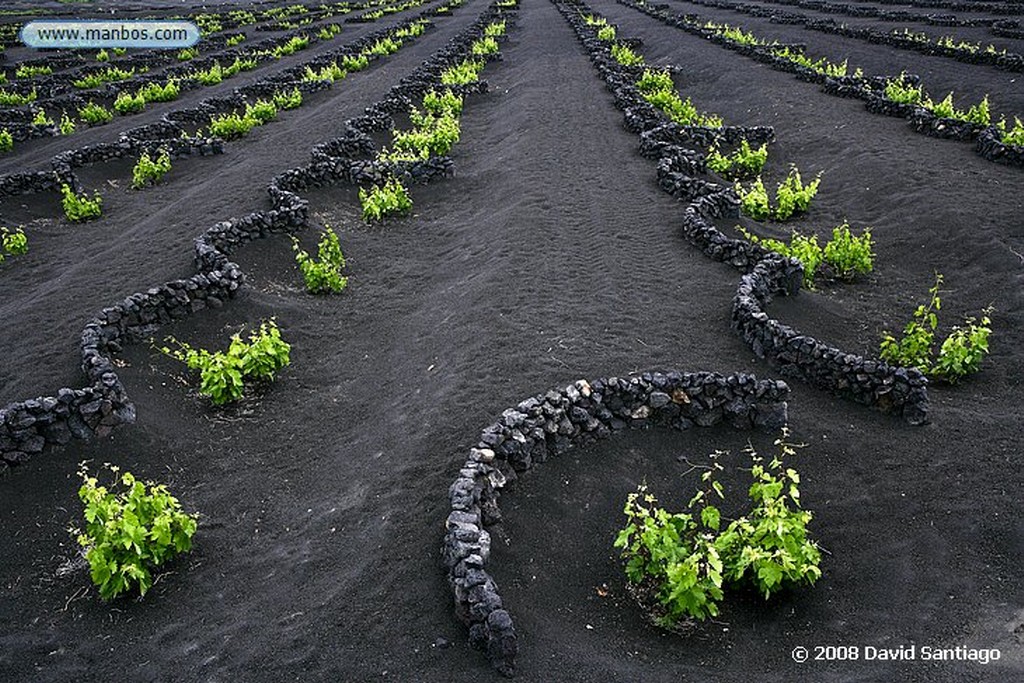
(962, 351)
(223, 373)
(29, 71)
(294, 44)
(41, 119)
(14, 242)
(380, 201)
(148, 171)
(463, 73)
(685, 559)
(287, 100)
(262, 111)
(657, 88)
(899, 90)
(13, 99)
(120, 51)
(978, 113)
(383, 47)
(126, 103)
(154, 92)
(959, 355)
(102, 56)
(109, 75)
(791, 197)
(230, 126)
(239, 65)
(95, 114)
(1014, 136)
(352, 63)
(79, 207)
(744, 162)
(67, 126)
(495, 29)
(187, 54)
(6, 140)
(769, 548)
(444, 104)
(234, 40)
(625, 56)
(485, 46)
(332, 72)
(130, 530)
(432, 135)
(754, 200)
(210, 76)
(322, 274)
(847, 255)
(329, 31)
(606, 33)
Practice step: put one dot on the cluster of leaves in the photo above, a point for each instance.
(12, 243)
(901, 91)
(495, 29)
(1013, 136)
(744, 162)
(6, 140)
(687, 558)
(187, 54)
(41, 119)
(287, 100)
(657, 88)
(294, 44)
(978, 113)
(235, 40)
(235, 125)
(130, 529)
(821, 66)
(102, 56)
(13, 99)
(210, 76)
(223, 373)
(624, 55)
(485, 46)
(606, 33)
(126, 103)
(238, 65)
(960, 354)
(29, 70)
(417, 28)
(79, 207)
(95, 114)
(323, 273)
(431, 135)
(332, 72)
(108, 75)
(381, 201)
(352, 63)
(154, 92)
(383, 47)
(441, 104)
(328, 32)
(734, 34)
(67, 126)
(844, 257)
(465, 72)
(148, 171)
(791, 197)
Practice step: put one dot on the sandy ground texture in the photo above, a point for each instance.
(549, 257)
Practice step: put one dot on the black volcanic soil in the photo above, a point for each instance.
(551, 256)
